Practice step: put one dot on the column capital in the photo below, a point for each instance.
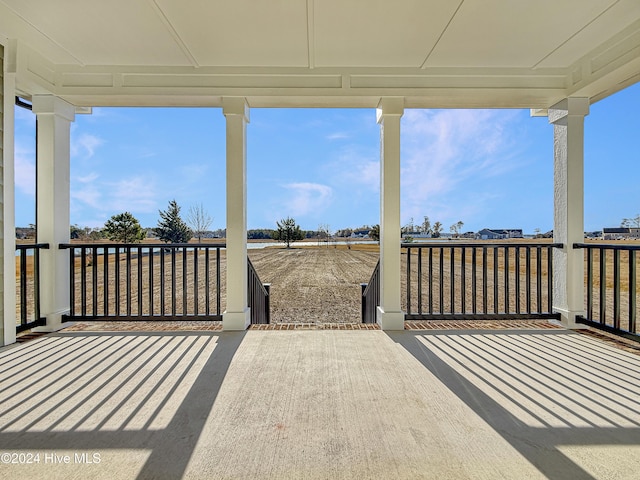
(52, 105)
(570, 106)
(235, 106)
(393, 106)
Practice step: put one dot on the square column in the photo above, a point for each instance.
(390, 315)
(237, 315)
(567, 118)
(54, 117)
(8, 285)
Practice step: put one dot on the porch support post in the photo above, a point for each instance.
(567, 118)
(7, 121)
(389, 314)
(237, 315)
(54, 117)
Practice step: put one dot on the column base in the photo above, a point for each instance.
(236, 320)
(54, 323)
(8, 336)
(390, 320)
(568, 319)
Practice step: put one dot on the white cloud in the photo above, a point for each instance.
(306, 198)
(443, 150)
(88, 195)
(90, 177)
(135, 194)
(338, 136)
(85, 145)
(356, 169)
(25, 170)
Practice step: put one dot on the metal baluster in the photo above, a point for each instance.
(632, 291)
(206, 281)
(463, 278)
(485, 300)
(409, 280)
(474, 280)
(603, 285)
(441, 280)
(539, 278)
(23, 287)
(506, 280)
(94, 280)
(173, 281)
(218, 294)
(452, 281)
(195, 280)
(420, 280)
(616, 289)
(496, 258)
(430, 284)
(517, 278)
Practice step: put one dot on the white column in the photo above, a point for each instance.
(237, 314)
(390, 315)
(54, 117)
(8, 325)
(567, 118)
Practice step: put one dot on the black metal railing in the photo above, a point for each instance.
(28, 288)
(466, 281)
(611, 288)
(371, 296)
(145, 281)
(259, 300)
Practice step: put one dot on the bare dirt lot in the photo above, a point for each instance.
(310, 285)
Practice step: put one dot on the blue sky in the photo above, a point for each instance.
(486, 168)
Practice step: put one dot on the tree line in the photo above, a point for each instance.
(171, 228)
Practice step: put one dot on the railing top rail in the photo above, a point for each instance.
(256, 277)
(29, 246)
(376, 269)
(142, 245)
(457, 244)
(607, 246)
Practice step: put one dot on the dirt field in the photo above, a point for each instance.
(314, 284)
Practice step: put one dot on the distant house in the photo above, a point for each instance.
(498, 234)
(620, 233)
(361, 233)
(615, 233)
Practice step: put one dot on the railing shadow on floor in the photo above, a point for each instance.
(540, 391)
(118, 391)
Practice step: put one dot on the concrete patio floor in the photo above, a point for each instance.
(319, 404)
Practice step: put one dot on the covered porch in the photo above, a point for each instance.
(553, 59)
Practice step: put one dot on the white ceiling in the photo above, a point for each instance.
(503, 53)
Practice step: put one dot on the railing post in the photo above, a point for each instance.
(363, 303)
(267, 302)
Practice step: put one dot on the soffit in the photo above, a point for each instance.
(436, 52)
